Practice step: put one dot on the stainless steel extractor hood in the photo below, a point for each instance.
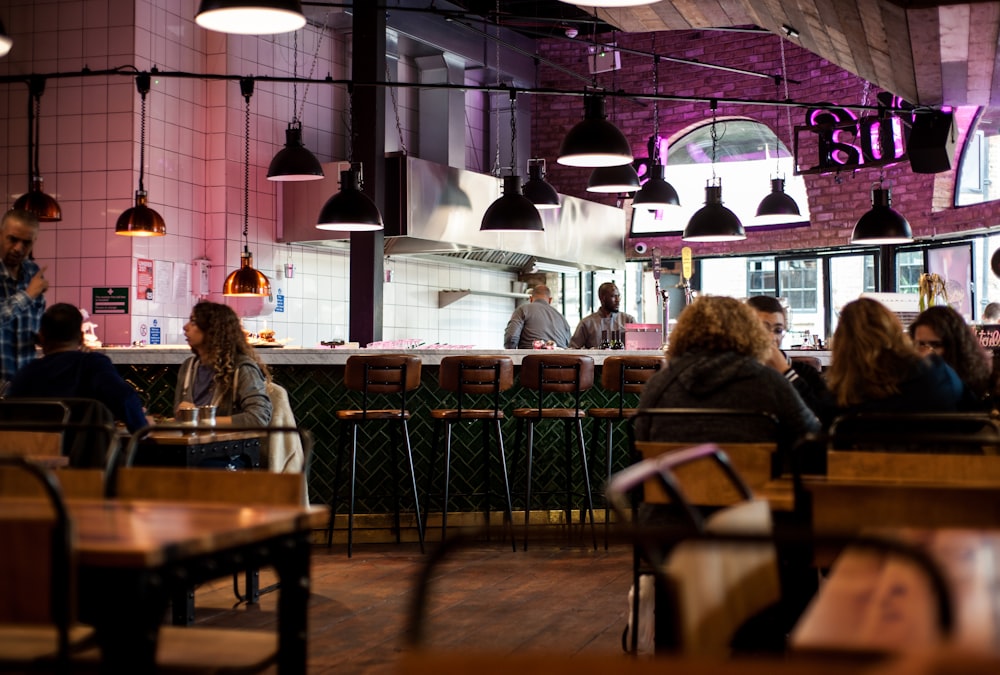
(435, 210)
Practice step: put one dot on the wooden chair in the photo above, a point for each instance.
(34, 434)
(545, 374)
(393, 375)
(38, 628)
(624, 376)
(470, 377)
(938, 433)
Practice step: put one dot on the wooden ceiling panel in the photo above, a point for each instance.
(925, 46)
(984, 30)
(898, 68)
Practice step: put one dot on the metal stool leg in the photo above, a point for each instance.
(416, 494)
(354, 474)
(586, 479)
(447, 479)
(509, 513)
(608, 440)
(527, 484)
(337, 475)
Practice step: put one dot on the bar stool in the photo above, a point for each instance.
(473, 376)
(386, 375)
(621, 375)
(557, 374)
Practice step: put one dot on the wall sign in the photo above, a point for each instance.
(145, 279)
(110, 300)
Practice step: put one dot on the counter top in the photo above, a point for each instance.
(337, 357)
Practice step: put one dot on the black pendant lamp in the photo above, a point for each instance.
(251, 17)
(538, 191)
(882, 224)
(140, 220)
(656, 193)
(594, 141)
(350, 210)
(5, 42)
(713, 221)
(35, 200)
(619, 179)
(294, 162)
(246, 281)
(512, 211)
(778, 207)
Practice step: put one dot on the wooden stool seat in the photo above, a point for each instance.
(361, 415)
(550, 413)
(467, 414)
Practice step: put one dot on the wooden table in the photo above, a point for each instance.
(873, 602)
(191, 447)
(133, 556)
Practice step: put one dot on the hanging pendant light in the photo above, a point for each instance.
(538, 191)
(294, 162)
(778, 207)
(594, 141)
(350, 210)
(140, 220)
(619, 179)
(251, 17)
(512, 211)
(35, 200)
(882, 224)
(5, 42)
(713, 221)
(656, 193)
(246, 281)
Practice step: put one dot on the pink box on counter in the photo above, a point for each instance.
(643, 336)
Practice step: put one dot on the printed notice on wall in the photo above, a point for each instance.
(164, 271)
(110, 300)
(145, 285)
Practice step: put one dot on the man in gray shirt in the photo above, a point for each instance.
(536, 320)
(606, 318)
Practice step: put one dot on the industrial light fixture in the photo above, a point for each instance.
(5, 42)
(251, 17)
(512, 211)
(294, 162)
(539, 191)
(618, 179)
(713, 221)
(140, 220)
(778, 207)
(350, 210)
(35, 200)
(246, 281)
(594, 141)
(656, 193)
(882, 224)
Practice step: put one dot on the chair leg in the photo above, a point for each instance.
(527, 483)
(394, 468)
(484, 429)
(586, 479)
(568, 475)
(354, 474)
(447, 480)
(608, 440)
(509, 513)
(429, 474)
(416, 494)
(337, 474)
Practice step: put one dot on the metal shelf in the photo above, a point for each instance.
(445, 298)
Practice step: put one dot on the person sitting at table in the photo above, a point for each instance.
(225, 371)
(941, 330)
(875, 368)
(718, 351)
(808, 381)
(69, 370)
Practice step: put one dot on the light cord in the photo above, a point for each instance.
(246, 88)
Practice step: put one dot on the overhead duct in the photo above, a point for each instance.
(437, 209)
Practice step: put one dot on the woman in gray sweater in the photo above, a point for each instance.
(717, 353)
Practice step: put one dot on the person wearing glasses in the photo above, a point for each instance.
(808, 381)
(943, 331)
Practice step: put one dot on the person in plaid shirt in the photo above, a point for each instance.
(24, 285)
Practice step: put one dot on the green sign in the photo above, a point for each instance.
(110, 301)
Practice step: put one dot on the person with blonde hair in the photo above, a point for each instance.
(874, 366)
(718, 352)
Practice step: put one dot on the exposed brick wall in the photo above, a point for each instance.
(835, 202)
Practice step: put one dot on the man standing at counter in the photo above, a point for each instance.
(24, 285)
(603, 322)
(536, 320)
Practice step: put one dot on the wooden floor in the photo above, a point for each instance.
(563, 598)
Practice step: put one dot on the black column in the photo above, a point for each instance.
(368, 147)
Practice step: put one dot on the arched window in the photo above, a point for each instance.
(980, 160)
(747, 156)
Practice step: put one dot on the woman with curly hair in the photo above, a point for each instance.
(222, 355)
(941, 330)
(875, 368)
(717, 356)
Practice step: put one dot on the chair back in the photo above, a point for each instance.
(476, 376)
(557, 373)
(37, 573)
(28, 441)
(938, 433)
(382, 374)
(629, 374)
(207, 485)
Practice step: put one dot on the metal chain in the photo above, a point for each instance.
(513, 132)
(246, 170)
(38, 124)
(312, 68)
(715, 139)
(496, 110)
(656, 104)
(350, 123)
(142, 140)
(784, 80)
(395, 109)
(295, 76)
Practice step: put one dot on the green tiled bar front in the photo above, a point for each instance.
(317, 391)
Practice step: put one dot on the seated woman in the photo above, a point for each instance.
(941, 330)
(718, 352)
(225, 371)
(875, 368)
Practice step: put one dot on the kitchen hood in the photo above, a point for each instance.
(434, 210)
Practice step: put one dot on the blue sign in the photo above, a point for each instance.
(279, 305)
(154, 333)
